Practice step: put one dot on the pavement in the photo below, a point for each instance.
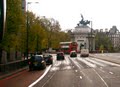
(7, 74)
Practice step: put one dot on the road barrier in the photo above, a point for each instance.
(12, 66)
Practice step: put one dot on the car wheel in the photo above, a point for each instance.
(43, 66)
(51, 62)
(31, 68)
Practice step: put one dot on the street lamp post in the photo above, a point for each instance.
(91, 37)
(27, 29)
(37, 45)
(27, 32)
(2, 26)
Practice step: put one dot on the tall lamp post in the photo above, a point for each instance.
(91, 38)
(2, 25)
(27, 29)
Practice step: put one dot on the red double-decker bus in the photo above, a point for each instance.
(67, 47)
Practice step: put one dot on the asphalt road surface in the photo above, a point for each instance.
(71, 72)
(82, 72)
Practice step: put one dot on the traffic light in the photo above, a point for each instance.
(81, 46)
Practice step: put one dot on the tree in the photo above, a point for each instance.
(43, 32)
(36, 33)
(51, 27)
(14, 23)
(102, 42)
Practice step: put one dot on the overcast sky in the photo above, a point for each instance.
(102, 13)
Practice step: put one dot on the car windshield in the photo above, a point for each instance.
(73, 52)
(46, 55)
(38, 58)
(59, 54)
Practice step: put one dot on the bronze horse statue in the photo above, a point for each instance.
(83, 22)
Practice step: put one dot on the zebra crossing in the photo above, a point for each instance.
(92, 62)
(81, 63)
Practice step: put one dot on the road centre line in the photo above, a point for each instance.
(84, 75)
(79, 66)
(80, 77)
(31, 85)
(101, 78)
(68, 61)
(76, 63)
(49, 79)
(111, 72)
(58, 63)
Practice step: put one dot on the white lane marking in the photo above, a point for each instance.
(76, 63)
(31, 85)
(67, 68)
(73, 66)
(101, 78)
(68, 61)
(86, 76)
(106, 62)
(111, 72)
(58, 63)
(76, 70)
(65, 62)
(86, 62)
(48, 79)
(93, 61)
(80, 77)
(54, 69)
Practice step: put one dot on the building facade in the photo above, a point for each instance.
(24, 5)
(114, 36)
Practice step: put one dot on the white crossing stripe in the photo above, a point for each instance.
(107, 62)
(80, 77)
(76, 63)
(95, 62)
(87, 62)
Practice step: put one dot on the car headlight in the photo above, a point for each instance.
(42, 61)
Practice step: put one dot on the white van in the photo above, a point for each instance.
(84, 53)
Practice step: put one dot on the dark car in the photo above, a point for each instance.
(37, 62)
(60, 56)
(48, 58)
(73, 54)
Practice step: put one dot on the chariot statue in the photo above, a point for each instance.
(83, 22)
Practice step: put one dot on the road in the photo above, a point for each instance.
(72, 72)
(82, 72)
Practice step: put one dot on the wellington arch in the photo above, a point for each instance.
(82, 34)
